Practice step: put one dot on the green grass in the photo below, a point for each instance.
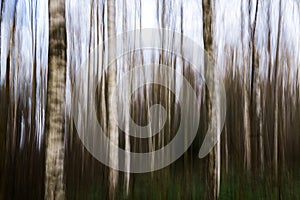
(171, 185)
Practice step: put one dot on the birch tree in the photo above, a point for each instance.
(127, 102)
(247, 142)
(54, 185)
(213, 176)
(112, 99)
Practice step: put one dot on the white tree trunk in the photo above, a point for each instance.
(247, 145)
(127, 103)
(246, 116)
(112, 100)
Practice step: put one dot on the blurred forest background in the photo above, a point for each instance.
(255, 48)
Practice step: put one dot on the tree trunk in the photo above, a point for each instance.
(127, 103)
(247, 142)
(54, 184)
(277, 62)
(213, 176)
(255, 82)
(112, 99)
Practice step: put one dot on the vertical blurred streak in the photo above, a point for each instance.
(7, 23)
(3, 118)
(160, 74)
(254, 63)
(247, 144)
(255, 76)
(20, 48)
(112, 100)
(41, 57)
(55, 115)
(127, 101)
(258, 56)
(212, 99)
(276, 88)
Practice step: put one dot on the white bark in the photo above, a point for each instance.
(127, 104)
(112, 99)
(247, 144)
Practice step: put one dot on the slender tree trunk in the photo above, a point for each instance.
(256, 118)
(259, 127)
(226, 150)
(247, 142)
(112, 99)
(54, 184)
(127, 103)
(213, 176)
(277, 62)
